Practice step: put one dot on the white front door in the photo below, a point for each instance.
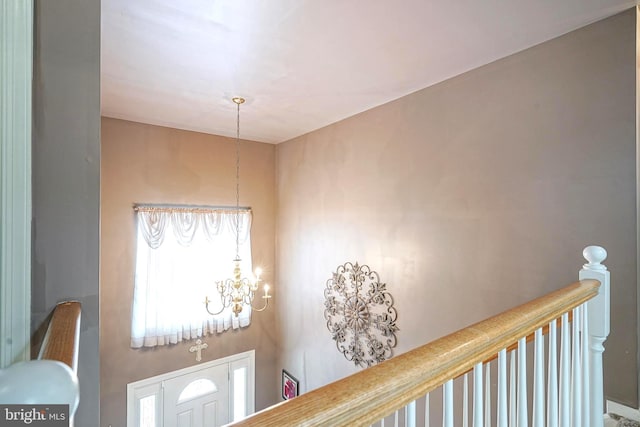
(197, 399)
(209, 394)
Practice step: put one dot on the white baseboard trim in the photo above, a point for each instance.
(622, 410)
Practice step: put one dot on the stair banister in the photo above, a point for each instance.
(376, 392)
(574, 382)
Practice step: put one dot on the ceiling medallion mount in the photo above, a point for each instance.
(238, 100)
(360, 315)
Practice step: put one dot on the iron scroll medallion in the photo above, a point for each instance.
(360, 315)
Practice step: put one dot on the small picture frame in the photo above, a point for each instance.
(289, 385)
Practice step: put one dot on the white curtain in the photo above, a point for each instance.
(180, 256)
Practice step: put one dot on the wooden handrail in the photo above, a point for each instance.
(529, 338)
(370, 395)
(63, 335)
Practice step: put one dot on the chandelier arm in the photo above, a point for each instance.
(266, 304)
(206, 305)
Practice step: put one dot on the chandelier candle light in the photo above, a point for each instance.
(239, 291)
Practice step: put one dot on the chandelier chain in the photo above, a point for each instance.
(238, 291)
(238, 182)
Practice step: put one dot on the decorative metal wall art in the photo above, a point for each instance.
(360, 314)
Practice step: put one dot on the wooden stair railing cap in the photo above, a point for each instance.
(61, 339)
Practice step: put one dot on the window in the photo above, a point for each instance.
(181, 253)
(197, 389)
(148, 411)
(143, 404)
(242, 388)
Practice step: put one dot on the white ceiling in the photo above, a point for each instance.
(303, 64)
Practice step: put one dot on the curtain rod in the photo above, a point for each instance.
(147, 207)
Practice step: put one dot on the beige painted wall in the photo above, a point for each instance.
(469, 197)
(150, 164)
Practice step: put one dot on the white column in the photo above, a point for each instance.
(552, 384)
(465, 401)
(598, 318)
(447, 402)
(565, 372)
(487, 395)
(410, 415)
(538, 380)
(586, 373)
(478, 418)
(427, 411)
(513, 411)
(502, 389)
(576, 369)
(522, 384)
(16, 59)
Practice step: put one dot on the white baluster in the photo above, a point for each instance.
(487, 395)
(396, 419)
(410, 415)
(477, 395)
(502, 389)
(447, 399)
(584, 354)
(552, 386)
(576, 370)
(598, 326)
(522, 383)
(565, 372)
(512, 391)
(538, 380)
(465, 401)
(427, 412)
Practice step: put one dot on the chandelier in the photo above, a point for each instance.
(238, 292)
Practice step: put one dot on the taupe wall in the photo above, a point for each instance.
(469, 197)
(66, 176)
(150, 164)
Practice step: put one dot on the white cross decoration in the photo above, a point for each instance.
(198, 349)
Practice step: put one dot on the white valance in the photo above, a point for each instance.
(184, 224)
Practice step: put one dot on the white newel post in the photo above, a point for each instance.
(598, 324)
